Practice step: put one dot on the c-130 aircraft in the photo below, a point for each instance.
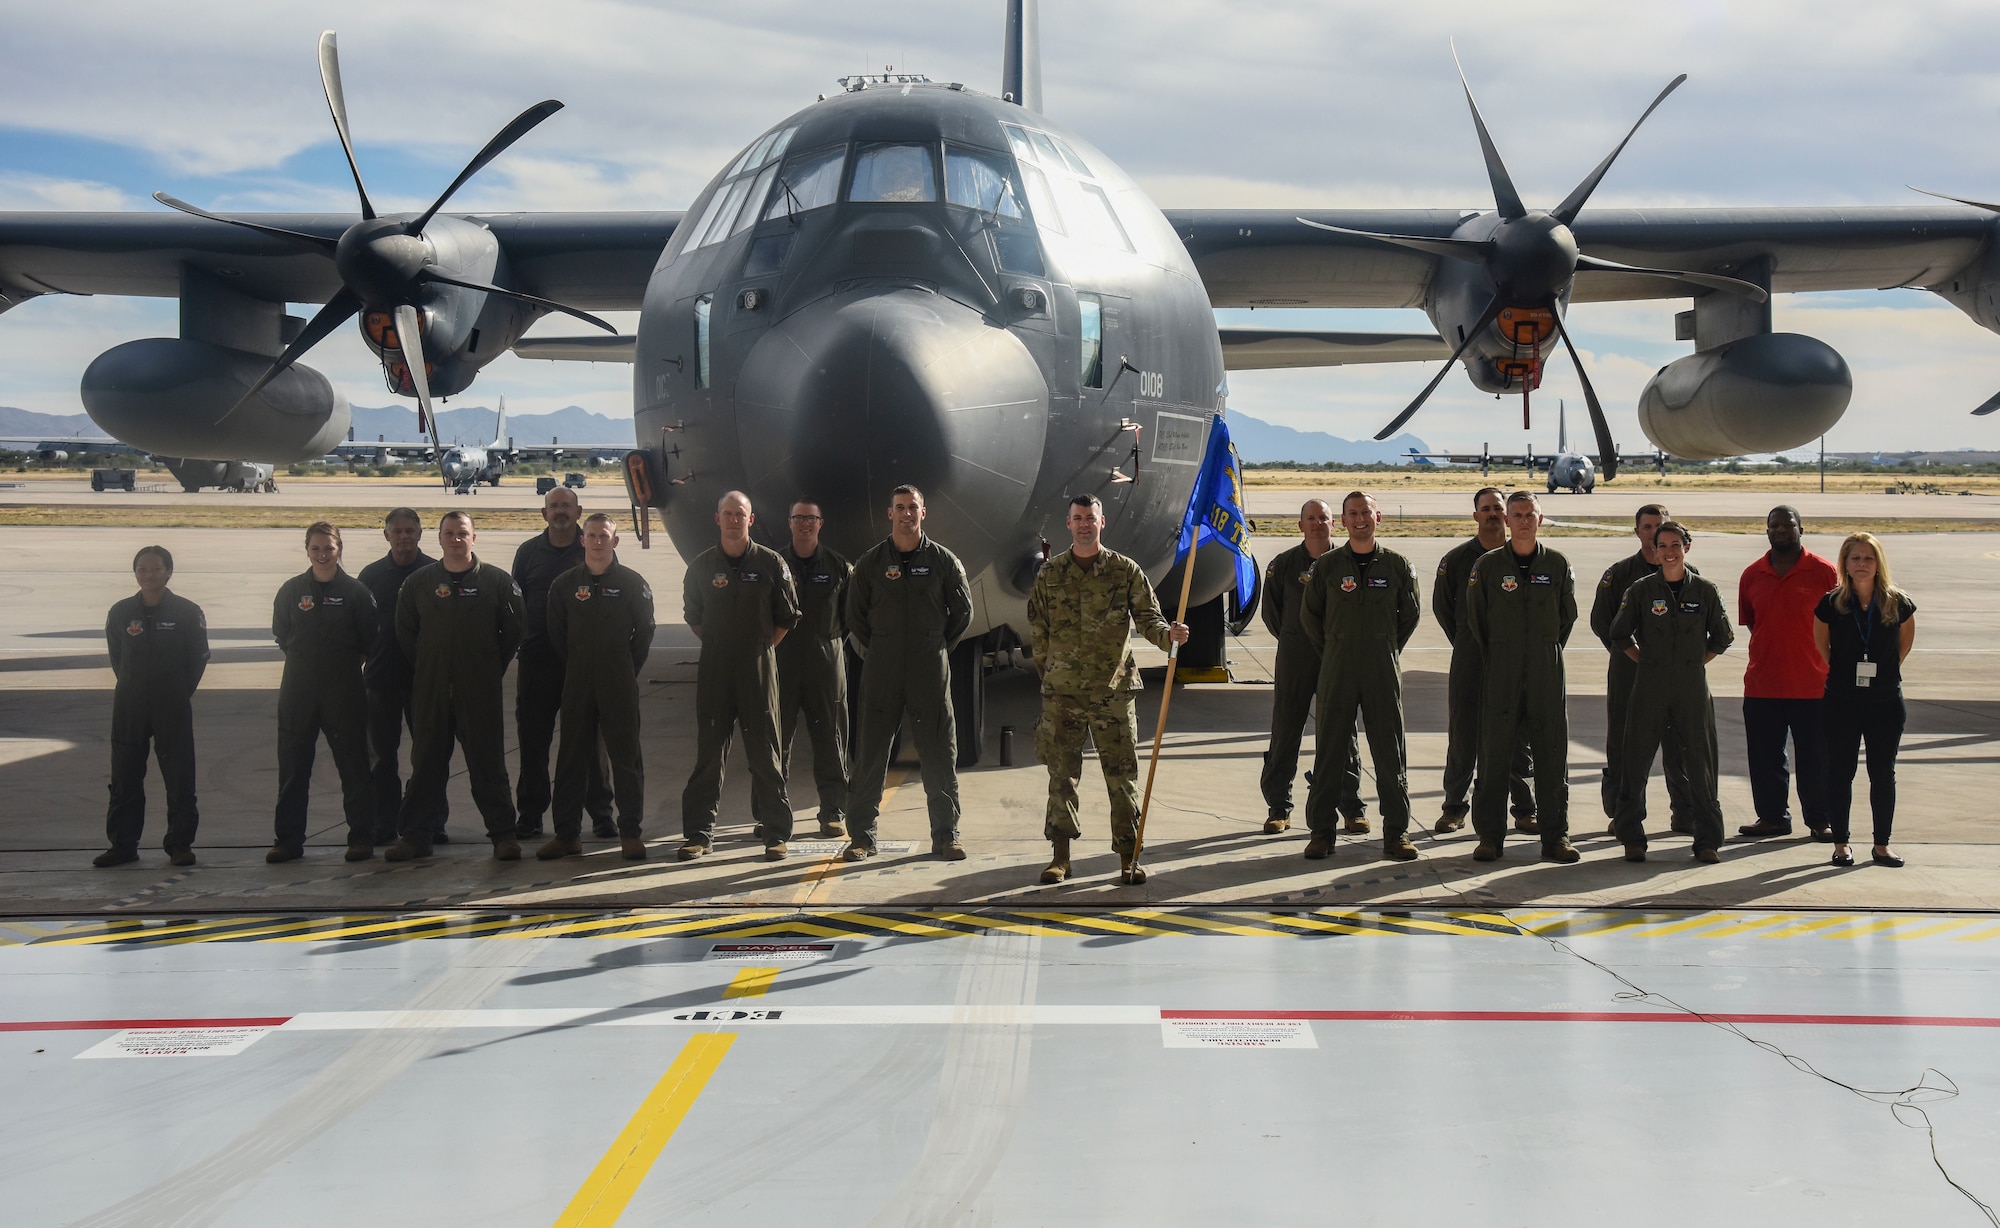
(913, 281)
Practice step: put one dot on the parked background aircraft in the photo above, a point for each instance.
(915, 281)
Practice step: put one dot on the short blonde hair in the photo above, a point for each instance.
(1885, 589)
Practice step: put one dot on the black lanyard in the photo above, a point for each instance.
(1864, 624)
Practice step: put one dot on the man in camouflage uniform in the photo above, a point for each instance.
(1295, 677)
(1359, 610)
(1085, 604)
(1621, 674)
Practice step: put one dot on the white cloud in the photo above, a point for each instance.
(24, 191)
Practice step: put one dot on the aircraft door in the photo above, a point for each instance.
(1107, 393)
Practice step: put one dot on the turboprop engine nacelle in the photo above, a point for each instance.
(171, 397)
(1762, 394)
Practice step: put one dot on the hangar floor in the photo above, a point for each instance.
(1142, 1067)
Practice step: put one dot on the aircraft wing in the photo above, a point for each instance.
(1267, 258)
(594, 261)
(1265, 349)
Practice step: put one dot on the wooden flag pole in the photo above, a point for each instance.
(1166, 698)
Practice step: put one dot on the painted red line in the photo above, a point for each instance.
(1873, 1021)
(120, 1025)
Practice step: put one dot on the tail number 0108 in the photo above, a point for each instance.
(1152, 384)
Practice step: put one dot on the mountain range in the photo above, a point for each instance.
(1257, 441)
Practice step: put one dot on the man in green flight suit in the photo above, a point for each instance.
(739, 601)
(1670, 625)
(1621, 674)
(1085, 604)
(325, 623)
(1360, 609)
(459, 622)
(907, 604)
(600, 623)
(1295, 677)
(812, 664)
(158, 641)
(1489, 513)
(1520, 606)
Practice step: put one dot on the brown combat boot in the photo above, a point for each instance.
(1563, 854)
(1319, 848)
(1528, 824)
(1130, 871)
(1449, 821)
(1488, 850)
(1398, 848)
(561, 846)
(1058, 867)
(1356, 825)
(632, 848)
(405, 849)
(1276, 821)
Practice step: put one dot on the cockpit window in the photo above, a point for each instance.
(1052, 171)
(759, 189)
(809, 182)
(1101, 219)
(899, 173)
(1041, 200)
(1047, 148)
(1069, 156)
(1023, 147)
(980, 181)
(737, 200)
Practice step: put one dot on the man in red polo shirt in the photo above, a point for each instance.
(1785, 678)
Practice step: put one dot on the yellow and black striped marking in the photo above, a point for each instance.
(945, 923)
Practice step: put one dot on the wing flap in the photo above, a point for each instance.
(1268, 349)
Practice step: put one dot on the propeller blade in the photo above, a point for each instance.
(1607, 450)
(1566, 212)
(1505, 198)
(336, 102)
(1987, 406)
(1957, 200)
(1710, 281)
(319, 241)
(465, 283)
(409, 335)
(523, 122)
(1471, 251)
(338, 310)
(1486, 317)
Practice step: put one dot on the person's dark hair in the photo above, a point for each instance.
(454, 514)
(1484, 491)
(1650, 509)
(403, 513)
(166, 559)
(1091, 501)
(1674, 526)
(1788, 510)
(907, 489)
(1523, 496)
(1352, 495)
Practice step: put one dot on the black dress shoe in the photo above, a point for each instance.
(1886, 859)
(1841, 859)
(1765, 827)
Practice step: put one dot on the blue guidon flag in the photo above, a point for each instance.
(1215, 512)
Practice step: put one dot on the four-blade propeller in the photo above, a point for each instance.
(384, 262)
(1530, 258)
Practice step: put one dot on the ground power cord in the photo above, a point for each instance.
(1906, 1105)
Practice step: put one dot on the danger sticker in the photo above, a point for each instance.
(766, 952)
(1237, 1034)
(176, 1042)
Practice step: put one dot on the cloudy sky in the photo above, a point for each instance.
(1317, 103)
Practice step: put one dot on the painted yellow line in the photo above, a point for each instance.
(892, 924)
(1863, 926)
(650, 924)
(1107, 923)
(1802, 928)
(785, 927)
(1981, 936)
(1940, 927)
(1336, 927)
(750, 982)
(610, 1186)
(150, 934)
(988, 923)
(1440, 927)
(1744, 926)
(1203, 923)
(1662, 929)
(388, 928)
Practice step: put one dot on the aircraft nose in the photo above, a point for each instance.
(856, 394)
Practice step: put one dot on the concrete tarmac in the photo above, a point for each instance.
(1204, 842)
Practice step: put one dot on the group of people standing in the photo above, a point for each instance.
(1826, 648)
(423, 643)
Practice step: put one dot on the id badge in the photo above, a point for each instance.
(1863, 672)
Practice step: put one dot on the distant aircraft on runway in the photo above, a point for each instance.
(1561, 470)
